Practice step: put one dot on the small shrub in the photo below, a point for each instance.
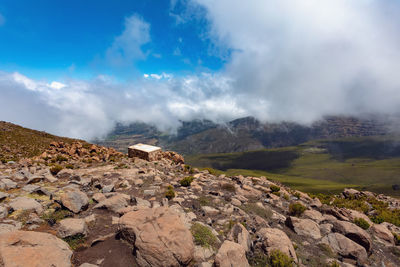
(75, 241)
(334, 264)
(55, 169)
(275, 188)
(277, 193)
(279, 259)
(361, 223)
(203, 236)
(258, 259)
(297, 194)
(377, 219)
(187, 181)
(296, 209)
(61, 158)
(170, 193)
(69, 166)
(286, 196)
(53, 217)
(228, 187)
(205, 201)
(396, 239)
(265, 213)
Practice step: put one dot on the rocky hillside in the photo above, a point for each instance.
(18, 142)
(245, 134)
(91, 206)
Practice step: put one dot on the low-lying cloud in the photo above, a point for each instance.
(289, 60)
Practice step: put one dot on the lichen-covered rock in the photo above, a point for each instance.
(71, 227)
(381, 232)
(33, 249)
(353, 232)
(231, 254)
(304, 227)
(26, 204)
(275, 239)
(114, 203)
(75, 200)
(345, 247)
(240, 235)
(159, 236)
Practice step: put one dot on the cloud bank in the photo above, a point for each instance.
(288, 60)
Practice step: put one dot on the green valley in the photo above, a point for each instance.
(327, 166)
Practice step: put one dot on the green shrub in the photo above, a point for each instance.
(279, 259)
(277, 193)
(69, 166)
(228, 187)
(52, 217)
(55, 169)
(253, 208)
(187, 181)
(296, 209)
(203, 236)
(170, 193)
(75, 241)
(274, 188)
(297, 194)
(396, 239)
(61, 158)
(286, 196)
(361, 223)
(334, 264)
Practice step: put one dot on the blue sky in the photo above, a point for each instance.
(53, 39)
(75, 68)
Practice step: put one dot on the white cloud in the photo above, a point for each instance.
(127, 47)
(299, 60)
(88, 109)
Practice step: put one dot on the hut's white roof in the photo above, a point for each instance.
(145, 148)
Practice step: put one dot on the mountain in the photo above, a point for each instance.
(78, 204)
(244, 134)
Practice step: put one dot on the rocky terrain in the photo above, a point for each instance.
(86, 205)
(244, 134)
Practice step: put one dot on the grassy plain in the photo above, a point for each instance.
(325, 166)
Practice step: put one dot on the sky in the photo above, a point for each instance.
(75, 68)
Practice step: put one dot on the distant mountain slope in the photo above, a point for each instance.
(17, 142)
(244, 134)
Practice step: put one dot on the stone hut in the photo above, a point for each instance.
(143, 151)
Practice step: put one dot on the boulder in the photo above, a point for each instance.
(25, 203)
(113, 203)
(345, 247)
(313, 215)
(382, 233)
(353, 232)
(26, 248)
(304, 227)
(159, 236)
(275, 239)
(71, 227)
(240, 235)
(7, 184)
(231, 254)
(75, 200)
